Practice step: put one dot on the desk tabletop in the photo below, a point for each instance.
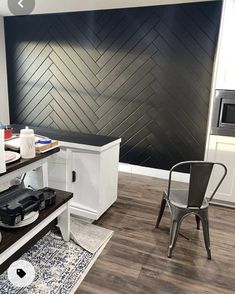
(24, 162)
(10, 236)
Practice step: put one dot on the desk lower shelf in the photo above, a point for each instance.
(16, 240)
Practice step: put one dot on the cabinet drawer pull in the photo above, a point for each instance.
(74, 176)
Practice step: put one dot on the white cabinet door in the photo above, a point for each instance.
(85, 178)
(222, 149)
(95, 181)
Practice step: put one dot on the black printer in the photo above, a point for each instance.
(17, 202)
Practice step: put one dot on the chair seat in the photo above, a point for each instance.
(179, 198)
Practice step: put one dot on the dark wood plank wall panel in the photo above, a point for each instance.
(143, 74)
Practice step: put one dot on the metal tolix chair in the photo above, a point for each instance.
(191, 200)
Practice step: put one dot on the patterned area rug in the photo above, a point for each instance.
(60, 266)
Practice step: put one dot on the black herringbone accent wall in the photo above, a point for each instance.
(142, 74)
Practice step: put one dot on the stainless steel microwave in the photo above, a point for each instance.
(223, 116)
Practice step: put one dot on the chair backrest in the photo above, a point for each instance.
(200, 173)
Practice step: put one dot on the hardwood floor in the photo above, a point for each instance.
(135, 261)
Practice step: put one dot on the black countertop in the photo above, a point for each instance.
(67, 136)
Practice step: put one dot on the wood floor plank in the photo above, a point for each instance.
(135, 260)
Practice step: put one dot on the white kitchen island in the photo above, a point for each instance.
(87, 166)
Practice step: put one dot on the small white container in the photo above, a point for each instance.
(2, 153)
(27, 143)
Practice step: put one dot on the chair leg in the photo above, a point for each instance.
(197, 221)
(173, 236)
(205, 226)
(177, 215)
(162, 207)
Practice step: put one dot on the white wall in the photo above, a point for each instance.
(4, 107)
(222, 148)
(53, 6)
(224, 67)
(225, 73)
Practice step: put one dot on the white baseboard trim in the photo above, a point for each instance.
(82, 211)
(222, 203)
(152, 172)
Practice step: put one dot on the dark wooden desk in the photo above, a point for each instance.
(22, 166)
(16, 241)
(24, 162)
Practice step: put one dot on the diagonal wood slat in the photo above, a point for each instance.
(143, 74)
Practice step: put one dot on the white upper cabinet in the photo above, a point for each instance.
(225, 73)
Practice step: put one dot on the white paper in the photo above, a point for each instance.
(2, 153)
(14, 144)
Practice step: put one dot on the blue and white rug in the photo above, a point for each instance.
(60, 266)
